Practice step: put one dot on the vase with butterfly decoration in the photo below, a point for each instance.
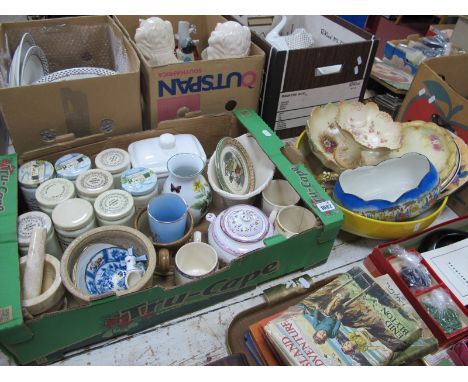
(186, 179)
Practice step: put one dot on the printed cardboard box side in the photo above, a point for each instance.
(38, 115)
(438, 94)
(206, 86)
(46, 338)
(335, 68)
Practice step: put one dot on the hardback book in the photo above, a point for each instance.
(261, 343)
(350, 321)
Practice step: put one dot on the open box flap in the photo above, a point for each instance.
(303, 182)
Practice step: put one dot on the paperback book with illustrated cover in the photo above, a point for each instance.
(350, 321)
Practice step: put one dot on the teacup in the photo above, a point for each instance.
(278, 194)
(195, 260)
(167, 217)
(292, 220)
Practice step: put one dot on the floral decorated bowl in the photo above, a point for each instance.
(394, 190)
(238, 230)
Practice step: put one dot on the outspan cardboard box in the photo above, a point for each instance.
(47, 337)
(439, 94)
(209, 86)
(336, 68)
(41, 114)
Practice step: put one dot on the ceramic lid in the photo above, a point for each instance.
(94, 182)
(113, 204)
(139, 181)
(33, 173)
(154, 153)
(113, 160)
(72, 214)
(54, 191)
(30, 220)
(244, 223)
(71, 165)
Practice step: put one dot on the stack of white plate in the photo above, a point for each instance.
(30, 66)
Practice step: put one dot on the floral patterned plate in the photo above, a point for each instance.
(234, 168)
(106, 271)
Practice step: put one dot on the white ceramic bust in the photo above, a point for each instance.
(155, 39)
(228, 40)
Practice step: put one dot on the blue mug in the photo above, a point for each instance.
(167, 217)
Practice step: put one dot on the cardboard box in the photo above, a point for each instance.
(212, 86)
(336, 68)
(460, 33)
(458, 201)
(438, 94)
(393, 52)
(378, 263)
(38, 115)
(46, 338)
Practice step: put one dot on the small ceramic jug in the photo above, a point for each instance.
(186, 180)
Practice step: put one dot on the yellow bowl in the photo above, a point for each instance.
(378, 229)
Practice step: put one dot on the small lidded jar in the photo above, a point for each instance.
(71, 165)
(53, 192)
(116, 161)
(92, 183)
(115, 207)
(72, 218)
(26, 224)
(30, 176)
(141, 183)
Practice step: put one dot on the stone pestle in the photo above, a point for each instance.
(34, 270)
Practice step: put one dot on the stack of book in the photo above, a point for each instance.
(354, 320)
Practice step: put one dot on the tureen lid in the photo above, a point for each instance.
(244, 223)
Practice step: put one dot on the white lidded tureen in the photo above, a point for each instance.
(238, 230)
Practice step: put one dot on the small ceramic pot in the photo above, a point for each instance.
(71, 165)
(115, 207)
(115, 161)
(141, 183)
(53, 192)
(394, 190)
(293, 220)
(92, 183)
(30, 176)
(194, 261)
(238, 230)
(277, 195)
(187, 181)
(167, 216)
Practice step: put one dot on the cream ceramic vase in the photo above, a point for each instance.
(186, 180)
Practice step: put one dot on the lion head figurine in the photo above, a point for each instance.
(228, 40)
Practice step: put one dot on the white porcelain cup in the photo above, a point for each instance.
(292, 220)
(195, 260)
(277, 195)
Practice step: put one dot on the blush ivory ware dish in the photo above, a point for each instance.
(75, 74)
(436, 143)
(264, 170)
(238, 230)
(34, 66)
(395, 189)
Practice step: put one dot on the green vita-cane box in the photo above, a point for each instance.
(46, 338)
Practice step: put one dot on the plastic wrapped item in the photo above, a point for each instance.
(441, 307)
(410, 268)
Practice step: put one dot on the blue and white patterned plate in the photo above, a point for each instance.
(106, 271)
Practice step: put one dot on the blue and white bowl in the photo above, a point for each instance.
(394, 190)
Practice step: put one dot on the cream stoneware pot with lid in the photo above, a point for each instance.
(114, 160)
(92, 183)
(30, 176)
(115, 207)
(238, 230)
(71, 165)
(53, 192)
(72, 218)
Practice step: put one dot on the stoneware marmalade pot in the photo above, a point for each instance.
(394, 190)
(238, 230)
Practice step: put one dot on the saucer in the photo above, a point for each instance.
(106, 271)
(18, 59)
(234, 169)
(75, 74)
